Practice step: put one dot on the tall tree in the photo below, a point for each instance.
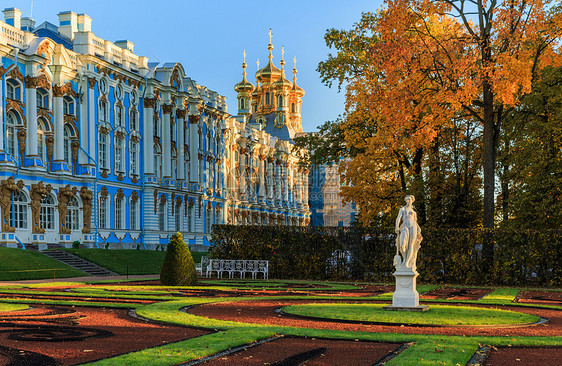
(418, 65)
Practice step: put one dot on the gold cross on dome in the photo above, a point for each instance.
(258, 63)
(283, 53)
(295, 61)
(244, 53)
(270, 35)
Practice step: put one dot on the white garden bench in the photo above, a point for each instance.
(238, 266)
(203, 265)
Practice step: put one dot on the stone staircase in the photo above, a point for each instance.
(78, 263)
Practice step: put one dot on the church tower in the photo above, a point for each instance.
(244, 90)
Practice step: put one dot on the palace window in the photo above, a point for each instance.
(134, 158)
(42, 98)
(156, 126)
(67, 145)
(133, 121)
(13, 90)
(174, 163)
(293, 109)
(103, 112)
(280, 101)
(119, 213)
(119, 120)
(73, 215)
(209, 220)
(267, 102)
(11, 134)
(190, 218)
(134, 214)
(173, 134)
(157, 161)
(47, 214)
(19, 214)
(104, 212)
(103, 150)
(162, 216)
(119, 154)
(41, 143)
(68, 106)
(177, 218)
(242, 103)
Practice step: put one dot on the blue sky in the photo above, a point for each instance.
(208, 38)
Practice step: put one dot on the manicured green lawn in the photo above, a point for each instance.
(12, 307)
(19, 264)
(123, 261)
(436, 315)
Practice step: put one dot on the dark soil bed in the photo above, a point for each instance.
(263, 312)
(79, 335)
(506, 356)
(540, 297)
(310, 352)
(456, 293)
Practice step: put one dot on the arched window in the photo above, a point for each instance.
(103, 212)
(103, 149)
(103, 112)
(177, 217)
(41, 143)
(42, 99)
(173, 134)
(120, 213)
(11, 134)
(280, 101)
(133, 120)
(218, 219)
(134, 214)
(19, 213)
(119, 154)
(242, 103)
(13, 90)
(162, 216)
(267, 98)
(134, 158)
(293, 109)
(157, 160)
(73, 215)
(47, 214)
(68, 105)
(156, 123)
(67, 145)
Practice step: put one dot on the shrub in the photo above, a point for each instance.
(76, 244)
(178, 268)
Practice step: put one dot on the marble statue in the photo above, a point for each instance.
(408, 237)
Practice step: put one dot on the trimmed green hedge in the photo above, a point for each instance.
(521, 257)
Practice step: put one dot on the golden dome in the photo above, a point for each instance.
(296, 89)
(269, 73)
(282, 83)
(244, 85)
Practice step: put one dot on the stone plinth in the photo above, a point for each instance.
(406, 297)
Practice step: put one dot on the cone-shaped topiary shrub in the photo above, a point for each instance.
(178, 268)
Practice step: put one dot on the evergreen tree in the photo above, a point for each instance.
(178, 268)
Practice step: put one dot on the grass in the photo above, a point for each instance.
(437, 314)
(123, 261)
(19, 264)
(12, 307)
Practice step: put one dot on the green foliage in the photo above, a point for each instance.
(178, 268)
(76, 244)
(521, 257)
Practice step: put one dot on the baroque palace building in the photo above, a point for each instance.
(101, 146)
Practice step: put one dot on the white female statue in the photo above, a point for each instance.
(408, 237)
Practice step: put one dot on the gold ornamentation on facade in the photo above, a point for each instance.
(200, 204)
(87, 196)
(63, 196)
(194, 118)
(92, 82)
(163, 198)
(173, 143)
(17, 106)
(58, 90)
(50, 142)
(180, 113)
(167, 108)
(134, 196)
(21, 142)
(74, 147)
(104, 173)
(134, 179)
(135, 138)
(156, 140)
(149, 102)
(15, 74)
(7, 187)
(120, 195)
(104, 192)
(120, 176)
(173, 199)
(120, 134)
(36, 194)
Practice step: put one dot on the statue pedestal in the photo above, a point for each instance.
(406, 297)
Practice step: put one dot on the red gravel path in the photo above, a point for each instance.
(127, 335)
(262, 312)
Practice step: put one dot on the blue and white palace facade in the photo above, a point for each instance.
(101, 146)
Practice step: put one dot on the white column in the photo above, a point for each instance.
(58, 122)
(148, 138)
(243, 183)
(180, 144)
(83, 117)
(166, 142)
(31, 114)
(261, 177)
(278, 184)
(270, 181)
(193, 149)
(91, 122)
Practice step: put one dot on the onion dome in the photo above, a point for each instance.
(296, 89)
(244, 86)
(282, 83)
(269, 73)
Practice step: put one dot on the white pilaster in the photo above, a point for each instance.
(166, 142)
(31, 114)
(180, 144)
(193, 150)
(148, 138)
